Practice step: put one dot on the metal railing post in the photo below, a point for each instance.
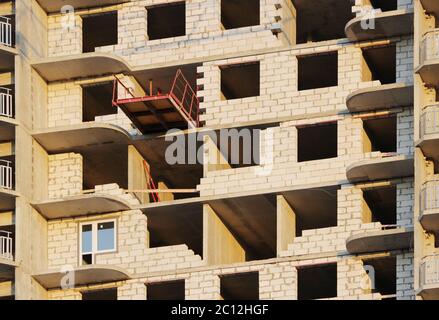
(6, 103)
(6, 245)
(5, 31)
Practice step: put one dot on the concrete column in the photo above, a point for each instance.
(219, 245)
(136, 174)
(286, 224)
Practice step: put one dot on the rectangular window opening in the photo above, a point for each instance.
(99, 30)
(382, 275)
(380, 135)
(170, 290)
(166, 230)
(232, 13)
(317, 282)
(318, 71)
(385, 5)
(243, 286)
(97, 101)
(380, 205)
(98, 295)
(317, 142)
(97, 237)
(380, 64)
(314, 208)
(240, 81)
(104, 165)
(322, 22)
(166, 20)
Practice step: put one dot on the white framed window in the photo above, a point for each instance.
(96, 238)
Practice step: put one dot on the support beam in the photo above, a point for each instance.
(286, 224)
(219, 245)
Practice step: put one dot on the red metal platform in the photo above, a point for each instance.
(178, 109)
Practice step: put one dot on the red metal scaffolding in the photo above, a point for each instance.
(178, 109)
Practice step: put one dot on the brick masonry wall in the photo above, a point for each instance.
(278, 280)
(279, 95)
(65, 175)
(350, 222)
(204, 36)
(133, 253)
(65, 105)
(286, 171)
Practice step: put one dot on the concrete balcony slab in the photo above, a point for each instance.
(55, 6)
(387, 24)
(381, 169)
(380, 241)
(84, 275)
(79, 66)
(381, 97)
(82, 205)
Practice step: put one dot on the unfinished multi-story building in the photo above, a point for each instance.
(118, 179)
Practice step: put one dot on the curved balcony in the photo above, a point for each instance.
(429, 278)
(429, 132)
(78, 66)
(380, 97)
(55, 6)
(429, 58)
(387, 167)
(387, 24)
(429, 217)
(82, 205)
(380, 241)
(84, 275)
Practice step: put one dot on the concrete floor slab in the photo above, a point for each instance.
(387, 24)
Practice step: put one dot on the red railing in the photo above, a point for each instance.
(150, 182)
(186, 98)
(181, 93)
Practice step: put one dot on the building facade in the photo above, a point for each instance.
(219, 149)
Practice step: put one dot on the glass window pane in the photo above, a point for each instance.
(87, 238)
(105, 236)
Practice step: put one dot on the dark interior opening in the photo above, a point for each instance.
(384, 278)
(171, 290)
(314, 208)
(382, 63)
(317, 142)
(325, 21)
(105, 294)
(318, 71)
(166, 229)
(103, 165)
(240, 13)
(241, 146)
(240, 80)
(166, 20)
(97, 101)
(317, 282)
(99, 30)
(381, 132)
(385, 5)
(382, 204)
(243, 286)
